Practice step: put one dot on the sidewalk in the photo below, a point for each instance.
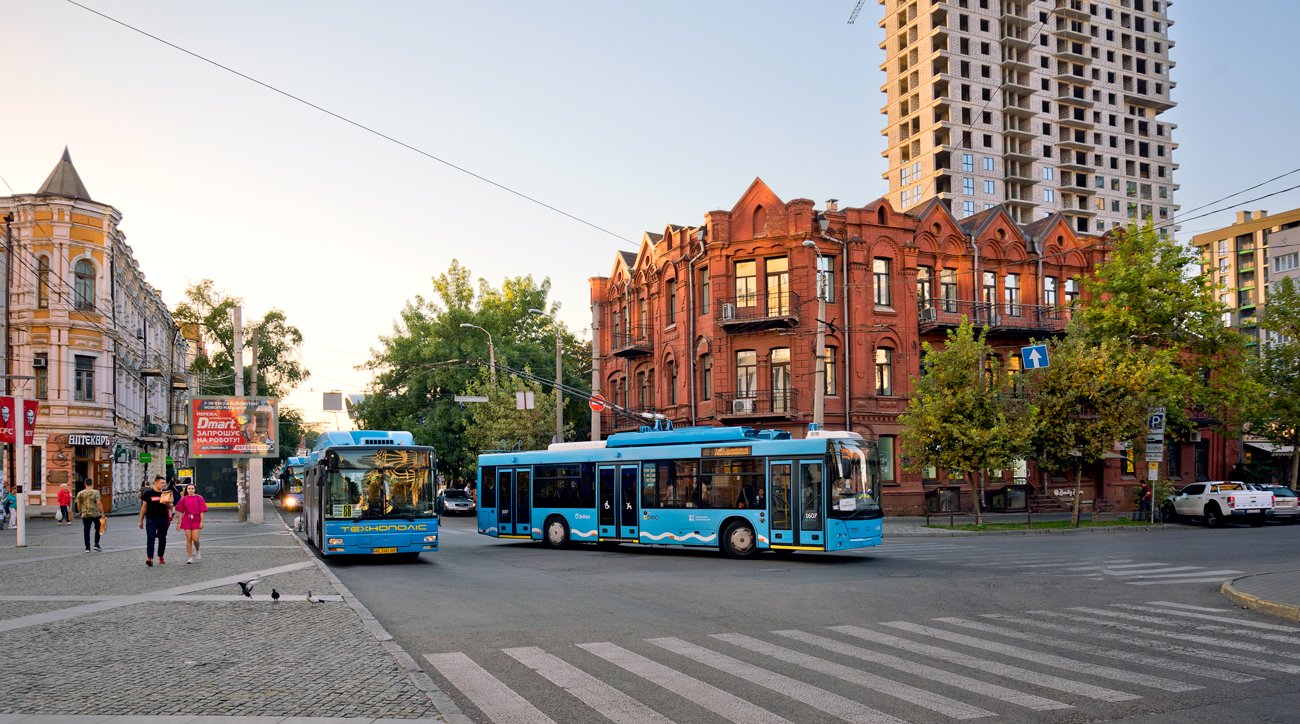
(179, 640)
(1276, 593)
(915, 526)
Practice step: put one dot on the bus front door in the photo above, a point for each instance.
(780, 503)
(514, 501)
(811, 516)
(617, 496)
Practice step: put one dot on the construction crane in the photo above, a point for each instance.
(856, 9)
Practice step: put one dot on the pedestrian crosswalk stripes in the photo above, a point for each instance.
(881, 673)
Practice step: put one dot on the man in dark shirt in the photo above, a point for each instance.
(156, 518)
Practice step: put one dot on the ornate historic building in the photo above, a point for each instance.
(716, 324)
(92, 341)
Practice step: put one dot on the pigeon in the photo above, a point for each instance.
(275, 595)
(312, 599)
(247, 587)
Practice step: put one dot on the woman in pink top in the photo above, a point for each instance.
(190, 510)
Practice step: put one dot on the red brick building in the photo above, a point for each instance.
(717, 324)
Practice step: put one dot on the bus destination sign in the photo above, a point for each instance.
(726, 452)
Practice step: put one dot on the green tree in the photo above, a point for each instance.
(499, 424)
(964, 415)
(1143, 296)
(1276, 415)
(206, 310)
(429, 358)
(1091, 397)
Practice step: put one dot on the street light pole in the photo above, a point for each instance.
(819, 394)
(559, 376)
(492, 351)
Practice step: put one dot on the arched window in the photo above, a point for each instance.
(760, 221)
(880, 216)
(43, 282)
(84, 289)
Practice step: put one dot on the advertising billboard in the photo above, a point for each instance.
(234, 427)
(9, 420)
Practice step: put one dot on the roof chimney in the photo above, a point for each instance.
(1260, 214)
(832, 204)
(1243, 217)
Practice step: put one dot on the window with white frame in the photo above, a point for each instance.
(1049, 173)
(968, 186)
(990, 186)
(967, 162)
(1049, 195)
(988, 163)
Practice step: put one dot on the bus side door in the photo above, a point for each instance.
(811, 495)
(629, 503)
(514, 501)
(781, 508)
(487, 501)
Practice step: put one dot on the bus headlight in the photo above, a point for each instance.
(290, 502)
(334, 542)
(431, 538)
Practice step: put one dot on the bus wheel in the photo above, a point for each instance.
(738, 541)
(556, 534)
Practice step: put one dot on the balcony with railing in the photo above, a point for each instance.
(632, 342)
(778, 404)
(940, 315)
(759, 311)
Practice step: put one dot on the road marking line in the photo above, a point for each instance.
(598, 695)
(1038, 657)
(1139, 565)
(37, 619)
(1020, 562)
(727, 706)
(1215, 579)
(1111, 572)
(1190, 607)
(1078, 688)
(1144, 659)
(499, 702)
(948, 678)
(1162, 646)
(828, 702)
(1210, 617)
(1156, 575)
(1225, 643)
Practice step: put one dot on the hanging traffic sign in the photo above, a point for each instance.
(1034, 356)
(596, 403)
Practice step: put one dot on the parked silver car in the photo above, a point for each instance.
(1286, 504)
(453, 500)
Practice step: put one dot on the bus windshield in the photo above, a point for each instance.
(855, 490)
(293, 479)
(390, 483)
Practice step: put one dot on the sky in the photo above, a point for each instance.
(629, 116)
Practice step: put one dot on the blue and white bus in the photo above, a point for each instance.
(736, 488)
(291, 483)
(370, 492)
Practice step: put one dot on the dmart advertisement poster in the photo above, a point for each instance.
(234, 427)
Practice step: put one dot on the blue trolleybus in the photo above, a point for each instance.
(291, 483)
(736, 488)
(370, 492)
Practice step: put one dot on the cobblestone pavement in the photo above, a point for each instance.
(178, 641)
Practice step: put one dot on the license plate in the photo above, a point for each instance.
(383, 550)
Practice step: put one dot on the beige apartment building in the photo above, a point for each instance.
(1045, 105)
(1242, 259)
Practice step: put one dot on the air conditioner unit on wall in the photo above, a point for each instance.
(928, 314)
(742, 405)
(995, 320)
(728, 311)
(40, 362)
(1194, 436)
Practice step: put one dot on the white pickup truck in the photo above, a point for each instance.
(1218, 501)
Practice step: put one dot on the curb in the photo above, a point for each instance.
(443, 703)
(1246, 600)
(953, 533)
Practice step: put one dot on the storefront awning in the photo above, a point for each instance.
(1271, 448)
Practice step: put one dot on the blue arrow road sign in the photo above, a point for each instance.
(1034, 356)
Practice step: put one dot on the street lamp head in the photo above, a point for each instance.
(823, 223)
(467, 325)
(810, 243)
(535, 310)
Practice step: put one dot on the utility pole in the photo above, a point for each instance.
(819, 381)
(237, 362)
(595, 366)
(254, 464)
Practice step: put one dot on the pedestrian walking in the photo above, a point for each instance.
(155, 519)
(10, 503)
(189, 516)
(65, 501)
(90, 511)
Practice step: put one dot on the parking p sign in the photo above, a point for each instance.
(1156, 421)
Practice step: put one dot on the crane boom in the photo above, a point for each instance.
(856, 9)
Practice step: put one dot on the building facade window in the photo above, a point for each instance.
(778, 286)
(670, 378)
(84, 379)
(43, 282)
(671, 294)
(990, 187)
(826, 277)
(747, 283)
(884, 371)
(41, 370)
(990, 289)
(1049, 195)
(1011, 294)
(831, 384)
(880, 281)
(968, 186)
(885, 446)
(948, 289)
(967, 163)
(967, 208)
(924, 287)
(780, 368)
(84, 287)
(1049, 291)
(746, 373)
(706, 377)
(643, 391)
(1071, 291)
(703, 305)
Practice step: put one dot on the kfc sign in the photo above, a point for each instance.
(9, 421)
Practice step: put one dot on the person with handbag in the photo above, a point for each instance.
(65, 501)
(156, 518)
(190, 510)
(91, 515)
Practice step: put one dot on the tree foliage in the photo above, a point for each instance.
(429, 358)
(964, 415)
(207, 310)
(498, 424)
(1276, 416)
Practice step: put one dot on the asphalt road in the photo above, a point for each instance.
(1061, 628)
